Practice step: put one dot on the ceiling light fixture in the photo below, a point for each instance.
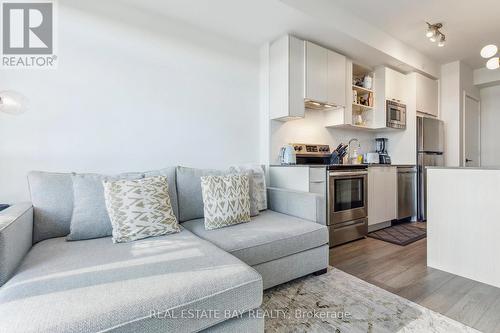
(442, 41)
(489, 51)
(430, 31)
(493, 63)
(434, 34)
(12, 102)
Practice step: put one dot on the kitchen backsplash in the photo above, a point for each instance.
(311, 129)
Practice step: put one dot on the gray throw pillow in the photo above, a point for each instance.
(52, 199)
(189, 193)
(90, 218)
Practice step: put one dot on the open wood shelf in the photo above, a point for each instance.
(363, 106)
(361, 89)
(351, 126)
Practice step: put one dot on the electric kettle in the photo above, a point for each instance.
(287, 155)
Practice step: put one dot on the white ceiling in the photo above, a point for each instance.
(468, 24)
(253, 21)
(260, 21)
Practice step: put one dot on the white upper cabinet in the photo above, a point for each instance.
(395, 85)
(316, 73)
(389, 85)
(336, 79)
(427, 95)
(286, 78)
(325, 75)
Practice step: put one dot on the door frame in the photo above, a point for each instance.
(465, 95)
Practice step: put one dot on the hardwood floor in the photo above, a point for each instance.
(402, 270)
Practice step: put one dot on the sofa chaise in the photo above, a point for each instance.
(195, 280)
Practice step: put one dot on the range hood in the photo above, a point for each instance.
(314, 105)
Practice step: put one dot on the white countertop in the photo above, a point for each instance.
(324, 166)
(462, 168)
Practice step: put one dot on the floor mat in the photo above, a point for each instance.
(401, 234)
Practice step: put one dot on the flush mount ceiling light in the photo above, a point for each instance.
(493, 63)
(489, 51)
(434, 34)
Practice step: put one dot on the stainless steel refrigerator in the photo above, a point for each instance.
(430, 150)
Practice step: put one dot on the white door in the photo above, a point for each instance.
(472, 132)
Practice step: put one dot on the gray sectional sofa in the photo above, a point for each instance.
(196, 280)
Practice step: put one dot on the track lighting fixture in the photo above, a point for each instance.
(434, 34)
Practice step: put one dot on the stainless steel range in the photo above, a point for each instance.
(346, 193)
(347, 203)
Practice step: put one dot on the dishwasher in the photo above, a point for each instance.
(407, 190)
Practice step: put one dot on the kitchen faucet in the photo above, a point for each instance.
(353, 150)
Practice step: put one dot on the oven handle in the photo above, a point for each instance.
(343, 173)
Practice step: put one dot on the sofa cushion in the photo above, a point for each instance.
(90, 218)
(189, 191)
(52, 198)
(96, 285)
(268, 236)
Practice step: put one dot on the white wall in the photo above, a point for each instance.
(450, 111)
(490, 120)
(133, 91)
(456, 79)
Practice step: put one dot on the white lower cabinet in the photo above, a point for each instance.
(382, 194)
(299, 178)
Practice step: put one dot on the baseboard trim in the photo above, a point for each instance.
(378, 226)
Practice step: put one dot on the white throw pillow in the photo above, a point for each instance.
(258, 190)
(139, 208)
(226, 200)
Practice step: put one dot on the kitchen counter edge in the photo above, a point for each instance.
(464, 168)
(324, 166)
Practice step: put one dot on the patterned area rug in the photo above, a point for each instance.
(401, 234)
(339, 302)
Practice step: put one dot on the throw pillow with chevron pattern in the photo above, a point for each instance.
(226, 200)
(139, 208)
(258, 189)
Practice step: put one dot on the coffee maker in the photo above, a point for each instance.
(383, 156)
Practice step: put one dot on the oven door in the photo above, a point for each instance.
(347, 196)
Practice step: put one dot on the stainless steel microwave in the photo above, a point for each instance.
(396, 114)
